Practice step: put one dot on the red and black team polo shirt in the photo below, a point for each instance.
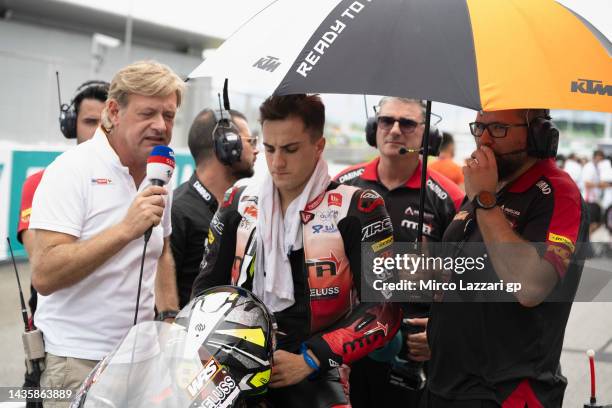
(506, 352)
(442, 200)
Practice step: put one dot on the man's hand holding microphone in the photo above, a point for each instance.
(147, 208)
(145, 211)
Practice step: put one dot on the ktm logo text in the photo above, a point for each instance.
(268, 63)
(591, 86)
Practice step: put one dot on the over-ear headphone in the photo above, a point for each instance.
(227, 143)
(435, 137)
(68, 114)
(542, 138)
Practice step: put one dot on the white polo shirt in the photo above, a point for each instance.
(83, 192)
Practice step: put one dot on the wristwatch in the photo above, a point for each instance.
(485, 200)
(166, 314)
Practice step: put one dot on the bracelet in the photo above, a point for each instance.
(311, 363)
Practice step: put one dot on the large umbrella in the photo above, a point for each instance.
(480, 54)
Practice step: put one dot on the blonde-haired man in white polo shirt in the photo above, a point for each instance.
(90, 213)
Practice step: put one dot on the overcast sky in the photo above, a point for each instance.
(217, 18)
(220, 18)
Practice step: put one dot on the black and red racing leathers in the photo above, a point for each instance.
(327, 315)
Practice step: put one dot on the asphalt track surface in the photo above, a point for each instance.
(589, 327)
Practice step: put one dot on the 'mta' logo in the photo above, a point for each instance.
(591, 86)
(268, 63)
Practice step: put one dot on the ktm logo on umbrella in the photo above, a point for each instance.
(268, 63)
(591, 86)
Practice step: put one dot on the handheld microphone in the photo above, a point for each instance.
(160, 166)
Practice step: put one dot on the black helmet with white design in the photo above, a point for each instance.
(236, 328)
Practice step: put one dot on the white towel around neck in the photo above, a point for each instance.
(277, 237)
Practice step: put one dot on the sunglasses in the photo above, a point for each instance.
(406, 126)
(251, 140)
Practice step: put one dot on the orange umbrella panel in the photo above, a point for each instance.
(536, 53)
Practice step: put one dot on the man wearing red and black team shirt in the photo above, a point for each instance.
(530, 221)
(397, 178)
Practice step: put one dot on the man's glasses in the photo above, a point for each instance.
(496, 130)
(407, 126)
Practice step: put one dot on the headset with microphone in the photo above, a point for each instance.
(68, 114)
(227, 143)
(435, 138)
